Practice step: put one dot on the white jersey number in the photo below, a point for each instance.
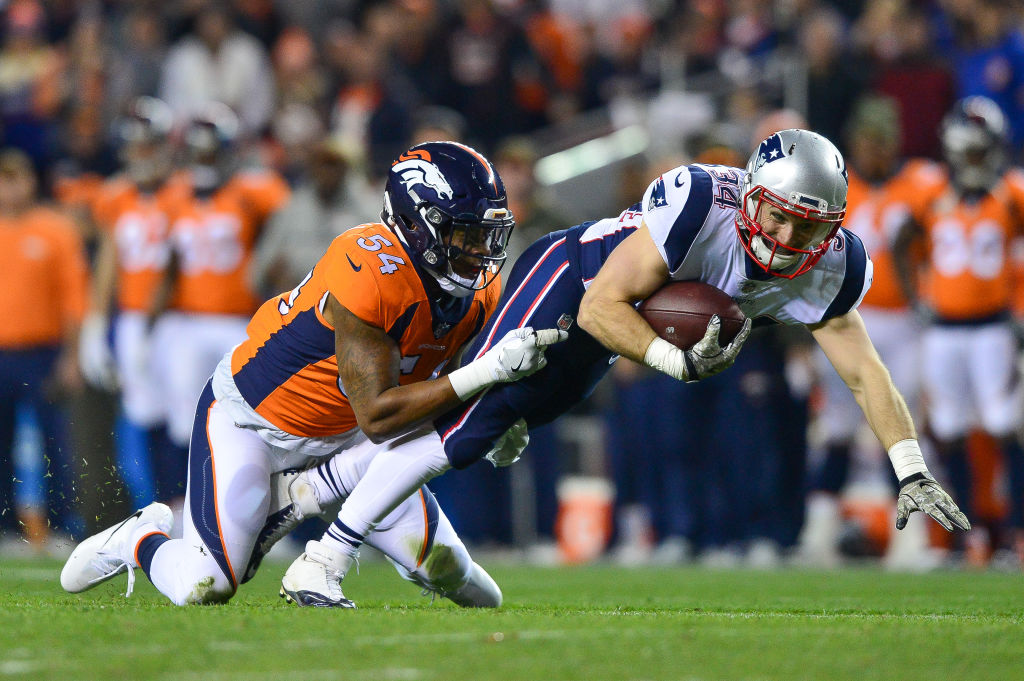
(141, 241)
(982, 250)
(209, 244)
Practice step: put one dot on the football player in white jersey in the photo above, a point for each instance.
(769, 236)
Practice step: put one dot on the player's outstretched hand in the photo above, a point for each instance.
(521, 352)
(707, 357)
(510, 446)
(517, 355)
(920, 492)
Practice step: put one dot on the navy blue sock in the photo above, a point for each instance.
(147, 549)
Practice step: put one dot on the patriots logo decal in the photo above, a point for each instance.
(416, 171)
(658, 199)
(769, 150)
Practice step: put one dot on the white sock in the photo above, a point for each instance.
(397, 470)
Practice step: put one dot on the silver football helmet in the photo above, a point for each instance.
(802, 174)
(974, 140)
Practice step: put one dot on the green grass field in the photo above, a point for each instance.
(592, 623)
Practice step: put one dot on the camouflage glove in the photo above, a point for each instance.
(920, 492)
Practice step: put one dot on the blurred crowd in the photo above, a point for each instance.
(166, 167)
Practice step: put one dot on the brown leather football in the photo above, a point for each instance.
(680, 311)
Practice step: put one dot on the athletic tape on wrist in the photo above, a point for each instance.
(907, 459)
(667, 358)
(470, 379)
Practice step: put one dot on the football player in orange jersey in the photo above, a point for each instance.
(131, 212)
(354, 355)
(43, 280)
(212, 235)
(968, 221)
(882, 191)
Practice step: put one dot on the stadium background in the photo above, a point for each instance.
(581, 103)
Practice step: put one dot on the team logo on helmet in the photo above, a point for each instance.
(769, 150)
(416, 171)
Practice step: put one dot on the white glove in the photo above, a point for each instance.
(517, 355)
(140, 359)
(920, 492)
(94, 353)
(704, 359)
(509, 447)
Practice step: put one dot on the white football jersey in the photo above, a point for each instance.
(691, 215)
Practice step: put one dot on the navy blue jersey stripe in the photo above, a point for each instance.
(303, 341)
(397, 329)
(853, 280)
(691, 218)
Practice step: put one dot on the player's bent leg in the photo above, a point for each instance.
(421, 543)
(227, 499)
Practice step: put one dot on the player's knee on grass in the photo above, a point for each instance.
(209, 590)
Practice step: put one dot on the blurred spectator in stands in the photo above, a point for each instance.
(908, 71)
(30, 73)
(370, 111)
(217, 62)
(332, 197)
(84, 160)
(834, 78)
(43, 295)
(298, 72)
(432, 123)
(986, 47)
(536, 215)
(259, 18)
(497, 81)
(141, 43)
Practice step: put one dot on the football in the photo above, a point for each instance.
(680, 311)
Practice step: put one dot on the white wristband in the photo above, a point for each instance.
(470, 379)
(665, 357)
(907, 459)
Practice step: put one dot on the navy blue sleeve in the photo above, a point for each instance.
(853, 288)
(678, 206)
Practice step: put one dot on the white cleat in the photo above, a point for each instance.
(109, 553)
(292, 500)
(478, 591)
(314, 578)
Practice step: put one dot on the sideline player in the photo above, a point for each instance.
(131, 211)
(769, 236)
(212, 235)
(969, 351)
(353, 355)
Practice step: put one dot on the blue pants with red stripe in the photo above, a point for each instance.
(540, 290)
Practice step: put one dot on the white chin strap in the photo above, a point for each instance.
(448, 284)
(781, 261)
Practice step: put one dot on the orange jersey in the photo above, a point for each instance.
(970, 272)
(214, 240)
(43, 278)
(287, 369)
(876, 213)
(80, 191)
(138, 224)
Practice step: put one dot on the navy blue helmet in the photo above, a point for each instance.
(448, 205)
